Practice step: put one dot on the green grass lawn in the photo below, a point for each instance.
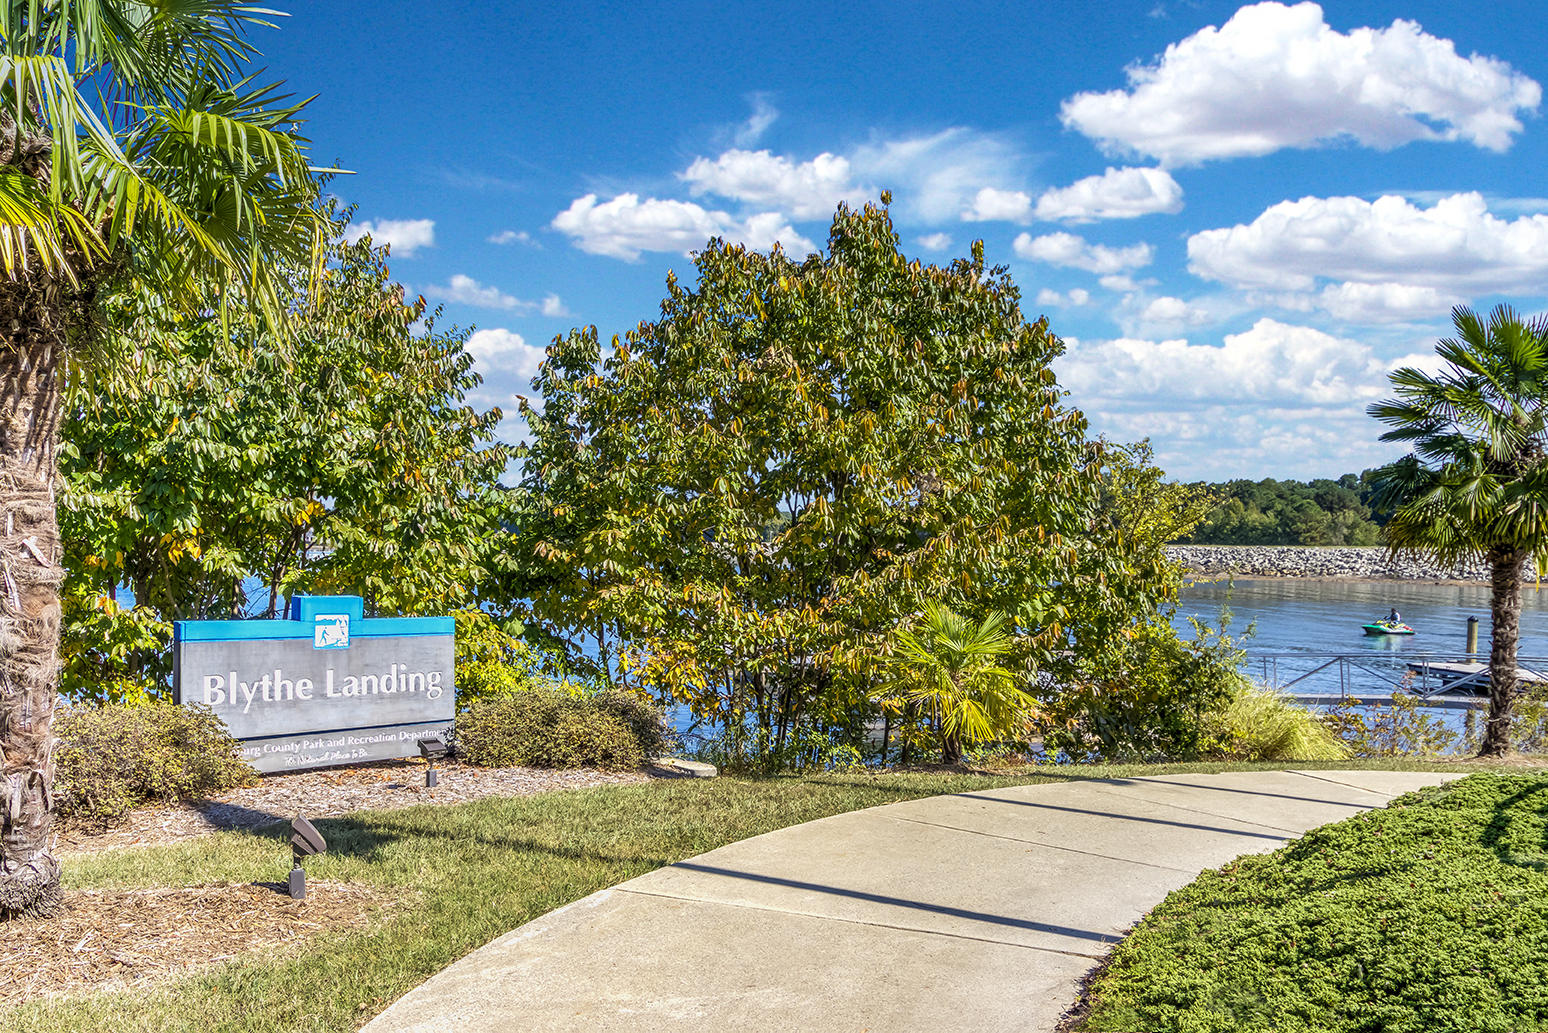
(474, 870)
(1429, 915)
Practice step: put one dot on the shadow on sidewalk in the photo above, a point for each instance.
(903, 902)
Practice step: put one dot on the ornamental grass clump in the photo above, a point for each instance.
(112, 757)
(1257, 724)
(549, 727)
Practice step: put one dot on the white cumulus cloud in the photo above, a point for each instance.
(935, 241)
(502, 351)
(1276, 396)
(807, 189)
(1067, 249)
(1456, 247)
(1075, 298)
(405, 236)
(626, 226)
(462, 289)
(552, 306)
(994, 205)
(1167, 310)
(1272, 361)
(1277, 76)
(1115, 194)
(1385, 302)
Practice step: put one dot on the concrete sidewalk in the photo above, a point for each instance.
(976, 911)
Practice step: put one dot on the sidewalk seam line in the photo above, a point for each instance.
(1336, 782)
(1195, 810)
(860, 921)
(1046, 846)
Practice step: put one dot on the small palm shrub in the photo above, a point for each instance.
(112, 757)
(549, 727)
(946, 670)
(1256, 724)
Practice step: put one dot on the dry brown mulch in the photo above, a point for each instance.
(331, 793)
(111, 938)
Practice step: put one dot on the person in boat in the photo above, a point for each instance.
(1394, 617)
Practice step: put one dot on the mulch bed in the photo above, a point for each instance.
(114, 938)
(331, 793)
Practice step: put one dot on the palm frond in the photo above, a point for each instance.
(36, 229)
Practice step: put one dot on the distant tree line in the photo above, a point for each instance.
(1270, 512)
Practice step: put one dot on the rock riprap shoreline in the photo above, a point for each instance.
(1313, 561)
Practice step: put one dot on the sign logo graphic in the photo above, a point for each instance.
(330, 631)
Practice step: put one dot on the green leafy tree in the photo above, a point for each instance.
(1270, 512)
(342, 459)
(948, 671)
(739, 500)
(1476, 483)
(136, 150)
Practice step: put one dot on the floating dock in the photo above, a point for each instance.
(1387, 699)
(1468, 676)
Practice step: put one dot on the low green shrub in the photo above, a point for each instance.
(1428, 915)
(1147, 696)
(113, 756)
(1401, 728)
(551, 727)
(1256, 724)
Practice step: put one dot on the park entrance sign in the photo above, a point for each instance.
(325, 686)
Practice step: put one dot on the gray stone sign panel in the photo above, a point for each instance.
(284, 686)
(325, 687)
(323, 749)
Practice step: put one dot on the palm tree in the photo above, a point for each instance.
(949, 670)
(1476, 483)
(134, 152)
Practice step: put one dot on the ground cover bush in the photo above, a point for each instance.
(112, 756)
(553, 727)
(1429, 915)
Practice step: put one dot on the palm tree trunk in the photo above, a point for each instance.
(31, 346)
(951, 749)
(1505, 613)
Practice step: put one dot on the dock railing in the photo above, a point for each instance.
(1447, 681)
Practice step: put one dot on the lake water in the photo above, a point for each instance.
(1324, 617)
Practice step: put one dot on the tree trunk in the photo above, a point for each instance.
(32, 343)
(951, 748)
(1505, 613)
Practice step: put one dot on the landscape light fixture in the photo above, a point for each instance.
(431, 749)
(305, 841)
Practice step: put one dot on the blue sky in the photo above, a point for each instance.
(1238, 217)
